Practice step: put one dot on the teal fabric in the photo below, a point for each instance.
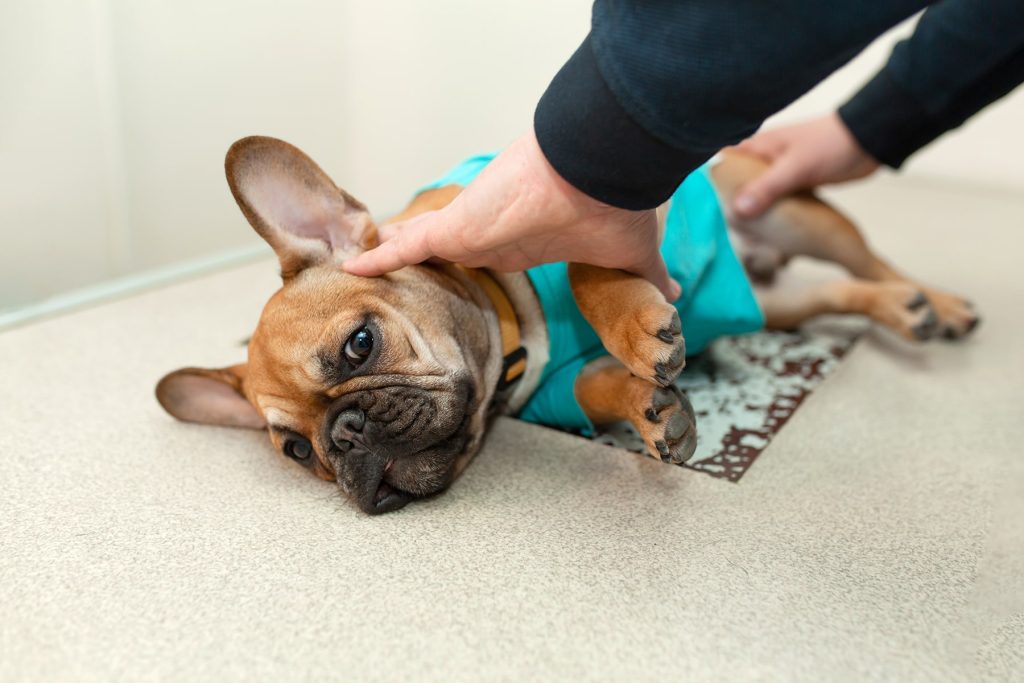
(717, 298)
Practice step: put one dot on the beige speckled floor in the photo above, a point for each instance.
(879, 536)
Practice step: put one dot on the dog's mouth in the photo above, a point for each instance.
(374, 484)
(388, 497)
(370, 483)
(382, 467)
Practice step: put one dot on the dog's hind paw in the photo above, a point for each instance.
(900, 306)
(957, 318)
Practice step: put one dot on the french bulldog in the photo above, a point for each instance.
(386, 385)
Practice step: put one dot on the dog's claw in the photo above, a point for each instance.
(917, 302)
(675, 326)
(927, 328)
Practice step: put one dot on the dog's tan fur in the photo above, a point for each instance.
(438, 356)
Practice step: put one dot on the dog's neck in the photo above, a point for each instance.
(519, 324)
(533, 334)
(514, 356)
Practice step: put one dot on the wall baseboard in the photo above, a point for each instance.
(131, 284)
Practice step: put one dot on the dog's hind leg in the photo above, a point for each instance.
(633, 320)
(663, 417)
(897, 305)
(804, 225)
(800, 224)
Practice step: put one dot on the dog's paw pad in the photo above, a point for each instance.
(927, 328)
(669, 430)
(958, 317)
(918, 301)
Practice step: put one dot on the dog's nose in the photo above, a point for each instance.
(348, 423)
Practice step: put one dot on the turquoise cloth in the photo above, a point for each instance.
(717, 298)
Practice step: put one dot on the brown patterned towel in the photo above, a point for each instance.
(744, 389)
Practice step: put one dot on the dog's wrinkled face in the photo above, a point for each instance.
(364, 381)
(377, 383)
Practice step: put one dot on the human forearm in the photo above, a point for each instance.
(963, 56)
(658, 87)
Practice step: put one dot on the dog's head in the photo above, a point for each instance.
(378, 383)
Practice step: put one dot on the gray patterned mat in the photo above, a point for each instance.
(744, 389)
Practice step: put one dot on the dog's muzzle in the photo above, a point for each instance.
(394, 444)
(353, 455)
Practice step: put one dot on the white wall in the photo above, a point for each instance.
(115, 114)
(52, 201)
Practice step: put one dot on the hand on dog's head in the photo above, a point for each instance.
(377, 383)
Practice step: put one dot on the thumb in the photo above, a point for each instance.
(758, 195)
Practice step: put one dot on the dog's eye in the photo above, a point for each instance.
(358, 346)
(298, 449)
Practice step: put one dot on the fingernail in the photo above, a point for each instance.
(675, 291)
(746, 203)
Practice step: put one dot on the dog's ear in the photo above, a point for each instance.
(209, 396)
(295, 206)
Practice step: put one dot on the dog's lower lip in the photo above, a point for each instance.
(387, 498)
(383, 491)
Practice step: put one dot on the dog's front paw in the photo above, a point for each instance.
(668, 425)
(651, 344)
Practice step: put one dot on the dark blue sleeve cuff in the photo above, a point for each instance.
(887, 122)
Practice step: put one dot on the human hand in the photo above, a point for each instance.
(520, 213)
(802, 156)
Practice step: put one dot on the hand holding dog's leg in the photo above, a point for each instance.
(801, 156)
(662, 416)
(805, 225)
(633, 320)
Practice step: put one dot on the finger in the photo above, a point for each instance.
(757, 196)
(389, 230)
(402, 249)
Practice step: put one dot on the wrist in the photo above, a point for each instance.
(858, 160)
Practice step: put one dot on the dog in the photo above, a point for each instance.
(386, 385)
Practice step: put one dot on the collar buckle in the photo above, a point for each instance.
(513, 366)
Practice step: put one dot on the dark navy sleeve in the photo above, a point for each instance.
(963, 55)
(659, 86)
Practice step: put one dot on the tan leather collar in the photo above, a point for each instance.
(514, 354)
